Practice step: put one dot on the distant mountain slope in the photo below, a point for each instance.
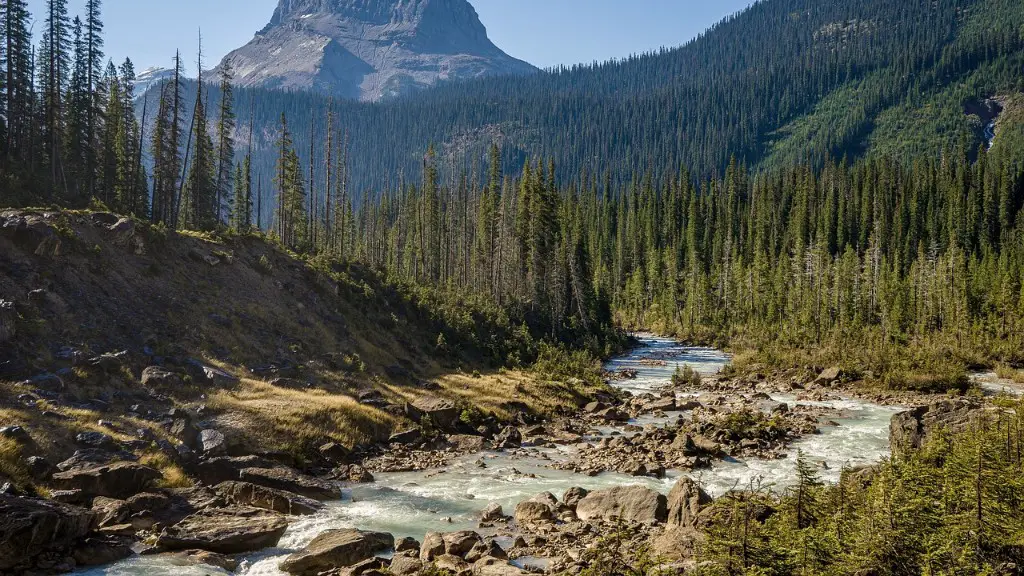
(370, 50)
(783, 81)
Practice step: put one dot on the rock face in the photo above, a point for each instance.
(118, 480)
(245, 494)
(631, 504)
(30, 527)
(225, 531)
(684, 503)
(911, 429)
(337, 548)
(369, 50)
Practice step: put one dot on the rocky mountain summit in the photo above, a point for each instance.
(370, 49)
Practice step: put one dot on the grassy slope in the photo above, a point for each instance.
(346, 328)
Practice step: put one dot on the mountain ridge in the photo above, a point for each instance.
(369, 51)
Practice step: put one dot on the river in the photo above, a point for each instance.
(414, 503)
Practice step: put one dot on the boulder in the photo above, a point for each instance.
(289, 480)
(630, 504)
(406, 565)
(612, 415)
(407, 544)
(212, 443)
(246, 494)
(337, 548)
(233, 530)
(667, 404)
(160, 379)
(490, 566)
(572, 496)
(460, 543)
(31, 527)
(92, 457)
(828, 376)
(678, 544)
(509, 439)
(442, 413)
(39, 467)
(16, 433)
(411, 436)
(110, 511)
(467, 443)
(333, 452)
(222, 469)
(102, 549)
(911, 429)
(493, 513)
(595, 407)
(109, 363)
(685, 501)
(432, 547)
(453, 564)
(185, 432)
(97, 440)
(352, 473)
(533, 512)
(118, 480)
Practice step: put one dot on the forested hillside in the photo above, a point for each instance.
(784, 81)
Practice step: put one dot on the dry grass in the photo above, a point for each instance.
(265, 417)
(174, 476)
(1007, 373)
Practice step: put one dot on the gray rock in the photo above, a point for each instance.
(118, 480)
(96, 440)
(493, 513)
(911, 429)
(213, 443)
(406, 565)
(160, 379)
(630, 504)
(336, 548)
(246, 494)
(572, 496)
(39, 467)
(442, 413)
(91, 457)
(30, 528)
(233, 530)
(411, 436)
(100, 550)
(16, 433)
(534, 512)
(509, 439)
(407, 544)
(290, 480)
(685, 502)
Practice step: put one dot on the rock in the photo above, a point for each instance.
(246, 494)
(661, 405)
(453, 564)
(467, 444)
(110, 511)
(290, 480)
(509, 439)
(432, 547)
(212, 443)
(91, 457)
(118, 480)
(160, 379)
(406, 565)
(612, 415)
(493, 513)
(533, 512)
(407, 544)
(911, 429)
(8, 321)
(337, 548)
(353, 473)
(460, 543)
(216, 470)
(828, 376)
(96, 440)
(491, 566)
(334, 452)
(16, 433)
(677, 544)
(184, 431)
(109, 363)
(630, 504)
(100, 550)
(595, 407)
(207, 558)
(412, 436)
(39, 467)
(31, 527)
(233, 530)
(442, 413)
(572, 497)
(706, 445)
(685, 502)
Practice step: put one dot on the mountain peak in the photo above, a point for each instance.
(370, 49)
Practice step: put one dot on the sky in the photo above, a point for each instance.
(543, 32)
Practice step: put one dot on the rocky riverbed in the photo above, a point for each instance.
(509, 498)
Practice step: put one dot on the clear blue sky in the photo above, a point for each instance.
(542, 32)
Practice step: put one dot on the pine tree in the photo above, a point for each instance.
(226, 146)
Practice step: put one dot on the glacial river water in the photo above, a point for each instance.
(414, 503)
